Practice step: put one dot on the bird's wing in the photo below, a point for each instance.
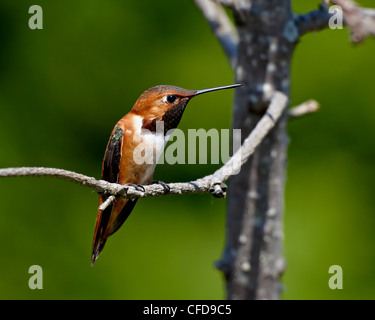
(110, 220)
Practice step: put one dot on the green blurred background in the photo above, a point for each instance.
(63, 88)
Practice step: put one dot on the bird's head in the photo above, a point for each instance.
(166, 103)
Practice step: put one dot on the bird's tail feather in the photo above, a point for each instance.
(108, 222)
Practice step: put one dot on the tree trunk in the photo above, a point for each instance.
(252, 261)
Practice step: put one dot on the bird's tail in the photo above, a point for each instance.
(108, 222)
(100, 236)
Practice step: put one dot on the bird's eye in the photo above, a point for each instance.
(171, 98)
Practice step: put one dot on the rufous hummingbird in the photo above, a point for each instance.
(161, 103)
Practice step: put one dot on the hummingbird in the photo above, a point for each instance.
(161, 103)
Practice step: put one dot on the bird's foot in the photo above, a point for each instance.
(163, 184)
(219, 190)
(137, 187)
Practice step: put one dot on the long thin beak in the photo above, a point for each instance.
(217, 88)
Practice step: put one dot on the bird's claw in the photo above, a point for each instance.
(163, 184)
(137, 187)
(219, 190)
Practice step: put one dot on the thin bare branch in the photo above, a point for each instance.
(303, 109)
(222, 27)
(101, 186)
(278, 104)
(227, 3)
(107, 203)
(211, 183)
(360, 21)
(369, 12)
(315, 20)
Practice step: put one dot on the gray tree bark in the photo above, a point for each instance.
(260, 53)
(252, 261)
